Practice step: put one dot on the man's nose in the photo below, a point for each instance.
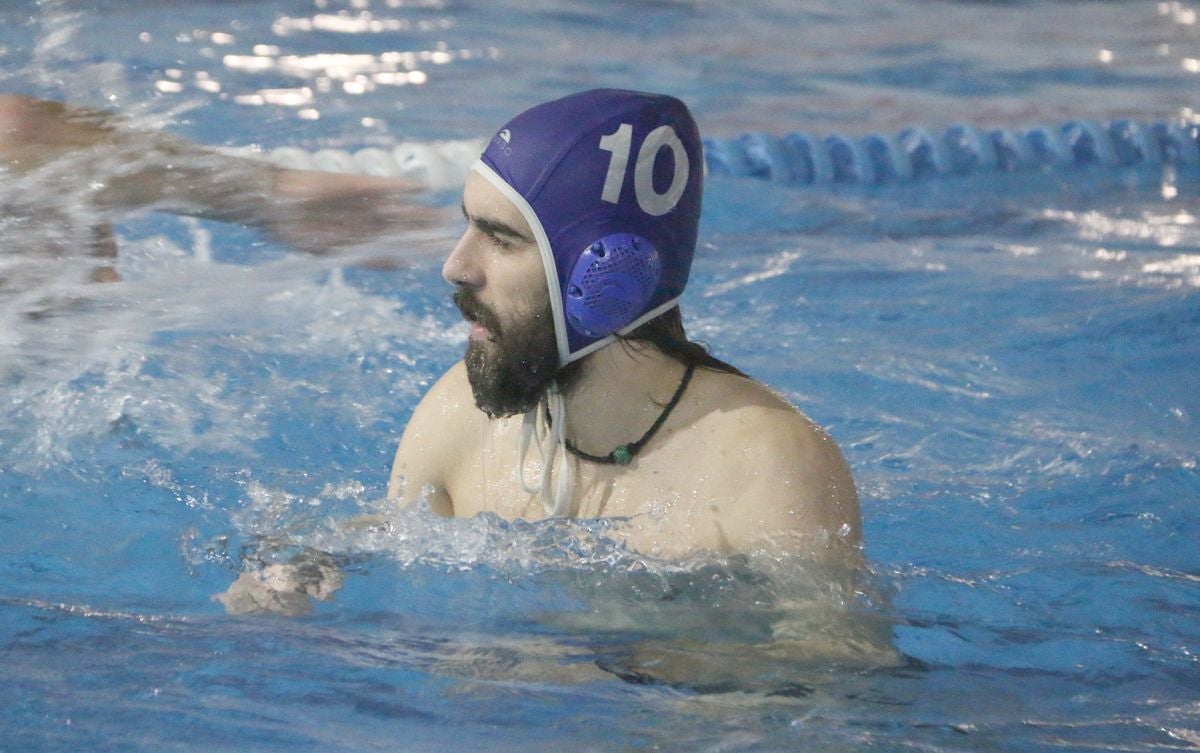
(462, 266)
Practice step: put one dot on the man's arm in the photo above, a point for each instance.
(767, 477)
(433, 441)
(798, 492)
(129, 168)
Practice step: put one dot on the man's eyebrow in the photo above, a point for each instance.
(496, 227)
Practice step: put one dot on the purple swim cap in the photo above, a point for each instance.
(610, 181)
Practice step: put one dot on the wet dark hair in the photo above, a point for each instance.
(666, 333)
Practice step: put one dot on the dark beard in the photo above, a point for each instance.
(509, 372)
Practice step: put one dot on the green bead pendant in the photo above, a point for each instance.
(622, 455)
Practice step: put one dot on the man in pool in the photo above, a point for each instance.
(579, 394)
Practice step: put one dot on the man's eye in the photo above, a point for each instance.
(497, 240)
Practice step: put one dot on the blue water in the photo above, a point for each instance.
(1009, 363)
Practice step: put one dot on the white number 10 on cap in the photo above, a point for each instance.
(619, 144)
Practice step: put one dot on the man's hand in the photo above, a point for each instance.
(281, 588)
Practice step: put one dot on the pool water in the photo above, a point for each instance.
(1009, 362)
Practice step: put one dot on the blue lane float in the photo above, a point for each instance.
(805, 159)
(917, 153)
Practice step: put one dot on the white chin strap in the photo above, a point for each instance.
(558, 503)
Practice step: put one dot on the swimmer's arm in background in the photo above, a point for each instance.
(434, 443)
(130, 168)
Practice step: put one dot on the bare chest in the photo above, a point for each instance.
(491, 476)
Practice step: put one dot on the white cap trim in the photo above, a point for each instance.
(543, 242)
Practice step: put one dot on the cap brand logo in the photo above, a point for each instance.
(502, 142)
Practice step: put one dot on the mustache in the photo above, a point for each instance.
(473, 310)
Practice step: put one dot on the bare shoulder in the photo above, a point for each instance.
(443, 419)
(442, 405)
(781, 473)
(451, 389)
(756, 415)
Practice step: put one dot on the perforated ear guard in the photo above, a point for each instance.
(611, 283)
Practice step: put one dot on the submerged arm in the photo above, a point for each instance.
(431, 441)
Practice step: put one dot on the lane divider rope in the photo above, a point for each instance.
(807, 159)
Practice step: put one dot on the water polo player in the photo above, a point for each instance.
(579, 394)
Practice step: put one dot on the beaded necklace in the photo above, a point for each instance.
(625, 453)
